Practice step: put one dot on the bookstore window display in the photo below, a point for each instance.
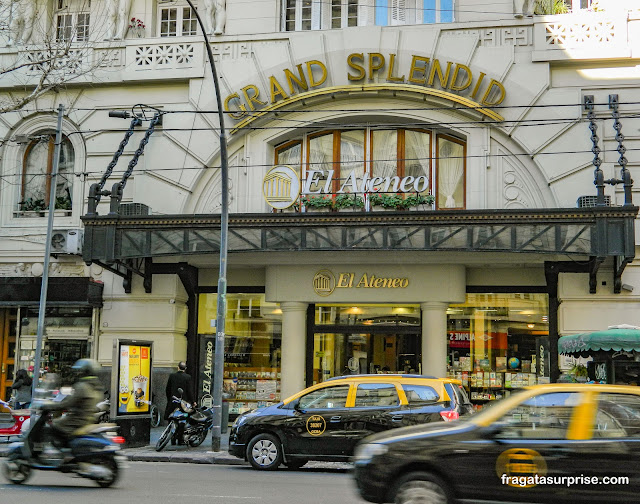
(253, 335)
(498, 343)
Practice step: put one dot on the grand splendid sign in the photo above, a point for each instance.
(456, 78)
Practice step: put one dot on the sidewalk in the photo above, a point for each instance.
(199, 455)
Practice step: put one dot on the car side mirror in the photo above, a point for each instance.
(295, 404)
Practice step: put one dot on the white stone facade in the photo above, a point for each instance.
(537, 156)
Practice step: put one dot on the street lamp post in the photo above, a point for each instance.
(42, 308)
(218, 361)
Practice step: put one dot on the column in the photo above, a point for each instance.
(294, 331)
(434, 338)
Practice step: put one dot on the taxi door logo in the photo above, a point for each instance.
(324, 283)
(520, 462)
(281, 187)
(316, 425)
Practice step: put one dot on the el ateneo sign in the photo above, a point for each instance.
(281, 185)
(366, 67)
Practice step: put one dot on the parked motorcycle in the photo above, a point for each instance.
(194, 423)
(93, 454)
(12, 420)
(103, 409)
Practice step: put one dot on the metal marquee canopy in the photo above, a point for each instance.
(127, 245)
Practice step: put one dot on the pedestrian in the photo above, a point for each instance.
(179, 379)
(21, 389)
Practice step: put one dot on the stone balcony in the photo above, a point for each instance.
(585, 36)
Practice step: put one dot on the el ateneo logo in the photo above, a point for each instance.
(281, 187)
(325, 283)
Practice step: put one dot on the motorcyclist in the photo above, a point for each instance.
(80, 405)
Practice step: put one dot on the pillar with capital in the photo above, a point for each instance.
(434, 338)
(294, 330)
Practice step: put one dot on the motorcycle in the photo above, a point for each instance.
(12, 420)
(92, 454)
(194, 423)
(103, 409)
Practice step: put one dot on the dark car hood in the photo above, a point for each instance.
(420, 432)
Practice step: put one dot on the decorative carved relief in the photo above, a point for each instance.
(72, 62)
(231, 51)
(109, 58)
(164, 56)
(506, 36)
(588, 31)
(517, 192)
(56, 269)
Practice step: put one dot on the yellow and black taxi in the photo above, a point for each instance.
(544, 444)
(326, 421)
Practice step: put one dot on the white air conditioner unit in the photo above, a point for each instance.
(67, 241)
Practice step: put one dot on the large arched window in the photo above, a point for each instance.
(343, 157)
(37, 167)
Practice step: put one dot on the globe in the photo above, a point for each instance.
(514, 362)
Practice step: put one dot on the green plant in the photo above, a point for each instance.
(579, 370)
(348, 201)
(551, 7)
(316, 201)
(63, 202)
(390, 201)
(32, 205)
(414, 200)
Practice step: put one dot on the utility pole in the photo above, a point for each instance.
(218, 361)
(47, 252)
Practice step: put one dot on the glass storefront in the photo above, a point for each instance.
(253, 334)
(67, 338)
(498, 342)
(365, 339)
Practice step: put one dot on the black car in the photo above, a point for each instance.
(545, 444)
(326, 421)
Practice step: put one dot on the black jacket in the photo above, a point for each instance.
(177, 380)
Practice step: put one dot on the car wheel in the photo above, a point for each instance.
(295, 463)
(421, 488)
(264, 452)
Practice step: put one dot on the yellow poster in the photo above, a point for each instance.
(135, 374)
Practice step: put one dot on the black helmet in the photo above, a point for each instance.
(85, 367)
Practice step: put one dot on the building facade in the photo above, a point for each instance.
(411, 186)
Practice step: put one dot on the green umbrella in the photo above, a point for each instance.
(615, 338)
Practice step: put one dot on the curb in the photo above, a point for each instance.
(137, 455)
(185, 458)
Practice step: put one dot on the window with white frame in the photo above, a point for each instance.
(72, 21)
(400, 12)
(177, 21)
(299, 15)
(344, 13)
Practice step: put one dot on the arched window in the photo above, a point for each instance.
(37, 167)
(339, 161)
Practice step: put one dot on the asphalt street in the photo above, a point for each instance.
(159, 483)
